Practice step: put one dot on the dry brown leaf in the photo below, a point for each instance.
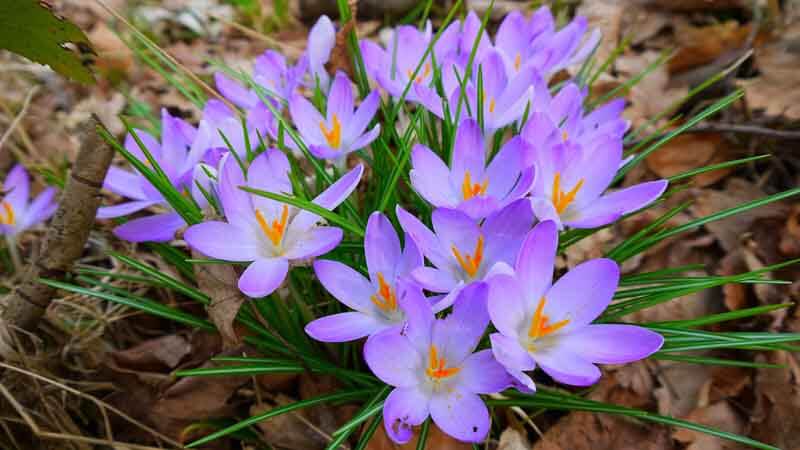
(157, 354)
(219, 282)
(775, 89)
(605, 15)
(719, 415)
(642, 23)
(195, 398)
(511, 439)
(696, 5)
(292, 431)
(681, 387)
(774, 419)
(702, 45)
(737, 191)
(112, 53)
(692, 151)
(653, 93)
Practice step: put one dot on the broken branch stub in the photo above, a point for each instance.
(69, 229)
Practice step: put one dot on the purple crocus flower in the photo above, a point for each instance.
(379, 302)
(17, 214)
(472, 184)
(551, 51)
(434, 371)
(341, 130)
(463, 251)
(321, 40)
(173, 156)
(571, 180)
(564, 112)
(393, 67)
(516, 34)
(218, 120)
(504, 99)
(551, 325)
(271, 71)
(264, 232)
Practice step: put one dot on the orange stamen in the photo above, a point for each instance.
(469, 190)
(492, 105)
(540, 324)
(334, 135)
(564, 135)
(437, 367)
(274, 232)
(426, 70)
(470, 263)
(517, 62)
(8, 217)
(560, 199)
(385, 298)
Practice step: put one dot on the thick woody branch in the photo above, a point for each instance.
(66, 236)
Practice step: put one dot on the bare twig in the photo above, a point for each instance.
(99, 403)
(19, 116)
(716, 127)
(65, 238)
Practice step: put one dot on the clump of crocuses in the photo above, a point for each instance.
(454, 293)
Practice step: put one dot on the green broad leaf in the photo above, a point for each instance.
(29, 28)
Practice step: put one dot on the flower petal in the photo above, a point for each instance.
(381, 246)
(469, 153)
(234, 91)
(583, 293)
(427, 242)
(429, 177)
(567, 367)
(222, 240)
(612, 343)
(419, 317)
(482, 374)
(505, 230)
(365, 139)
(363, 115)
(123, 209)
(156, 228)
(393, 359)
(330, 198)
(404, 408)
(236, 203)
(17, 188)
(263, 276)
(340, 99)
(344, 327)
(508, 306)
(307, 119)
(504, 170)
(457, 335)
(510, 353)
(345, 284)
(536, 260)
(41, 209)
(313, 242)
(321, 39)
(462, 415)
(624, 201)
(434, 280)
(124, 183)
